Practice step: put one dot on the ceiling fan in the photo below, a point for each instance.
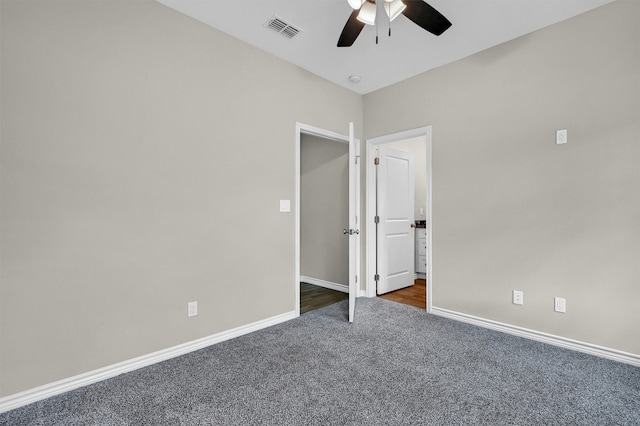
(364, 13)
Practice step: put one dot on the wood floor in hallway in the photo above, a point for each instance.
(416, 295)
(314, 297)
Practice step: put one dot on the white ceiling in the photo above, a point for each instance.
(477, 25)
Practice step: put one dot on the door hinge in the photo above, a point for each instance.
(376, 219)
(376, 277)
(376, 161)
(357, 158)
(356, 279)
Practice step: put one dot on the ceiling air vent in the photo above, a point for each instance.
(282, 27)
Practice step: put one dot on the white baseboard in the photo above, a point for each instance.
(326, 284)
(46, 391)
(601, 351)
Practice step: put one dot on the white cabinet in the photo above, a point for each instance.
(421, 250)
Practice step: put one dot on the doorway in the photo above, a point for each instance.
(375, 256)
(350, 229)
(324, 213)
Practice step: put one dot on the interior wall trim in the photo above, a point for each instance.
(46, 391)
(326, 284)
(576, 345)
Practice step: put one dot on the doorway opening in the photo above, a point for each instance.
(382, 261)
(324, 212)
(343, 230)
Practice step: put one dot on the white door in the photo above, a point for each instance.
(354, 223)
(395, 203)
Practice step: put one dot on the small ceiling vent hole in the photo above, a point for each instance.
(282, 27)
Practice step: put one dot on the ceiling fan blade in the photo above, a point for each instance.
(426, 16)
(351, 30)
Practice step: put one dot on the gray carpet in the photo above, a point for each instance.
(394, 366)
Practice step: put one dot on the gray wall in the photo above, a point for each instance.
(143, 155)
(513, 210)
(418, 147)
(324, 209)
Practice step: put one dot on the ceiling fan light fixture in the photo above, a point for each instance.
(417, 11)
(394, 8)
(355, 3)
(367, 13)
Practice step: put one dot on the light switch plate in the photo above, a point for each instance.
(285, 206)
(561, 137)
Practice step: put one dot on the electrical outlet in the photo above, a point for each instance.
(560, 304)
(192, 309)
(518, 297)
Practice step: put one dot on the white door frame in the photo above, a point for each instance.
(370, 201)
(305, 129)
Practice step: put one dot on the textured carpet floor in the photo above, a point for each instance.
(394, 366)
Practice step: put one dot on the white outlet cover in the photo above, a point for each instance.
(192, 309)
(560, 304)
(518, 297)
